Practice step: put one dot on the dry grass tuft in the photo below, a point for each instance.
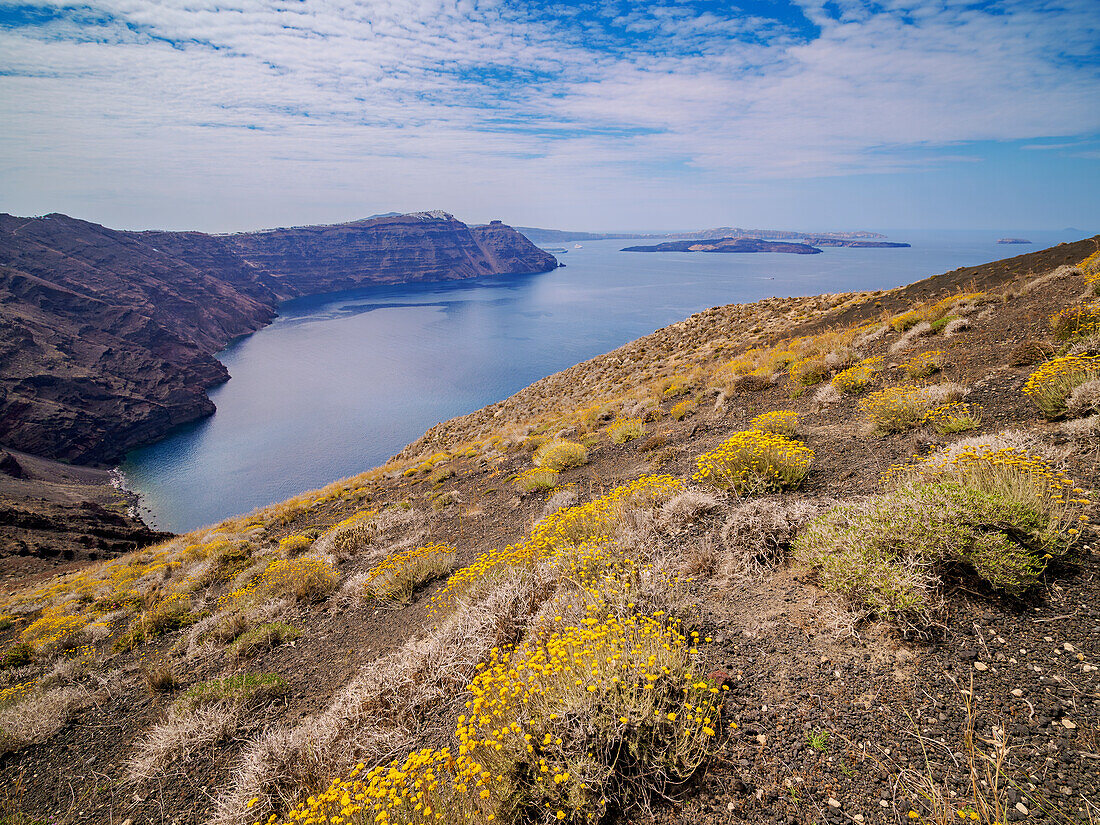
(39, 715)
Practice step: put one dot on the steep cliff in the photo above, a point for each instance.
(107, 337)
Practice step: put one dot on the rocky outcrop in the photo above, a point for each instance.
(107, 338)
(728, 245)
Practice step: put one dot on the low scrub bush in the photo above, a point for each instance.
(676, 385)
(168, 614)
(55, 630)
(233, 691)
(886, 554)
(19, 654)
(1082, 321)
(591, 718)
(858, 378)
(682, 410)
(755, 461)
(1085, 399)
(751, 383)
(560, 454)
(263, 637)
(537, 478)
(956, 417)
(998, 510)
(1007, 470)
(780, 422)
(896, 409)
(809, 371)
(1052, 384)
(925, 364)
(1090, 267)
(625, 429)
(295, 545)
(305, 579)
(397, 577)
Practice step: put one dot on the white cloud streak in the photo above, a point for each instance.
(335, 102)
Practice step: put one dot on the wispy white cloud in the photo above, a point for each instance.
(327, 101)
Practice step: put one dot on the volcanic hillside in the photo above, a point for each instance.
(807, 560)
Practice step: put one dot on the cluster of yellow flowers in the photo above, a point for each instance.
(897, 408)
(55, 628)
(537, 478)
(559, 454)
(304, 578)
(396, 576)
(782, 422)
(683, 409)
(1081, 321)
(1050, 385)
(932, 312)
(925, 364)
(857, 378)
(955, 417)
(565, 529)
(753, 461)
(295, 544)
(13, 693)
(625, 429)
(1091, 267)
(1011, 473)
(543, 727)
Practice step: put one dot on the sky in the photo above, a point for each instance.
(227, 115)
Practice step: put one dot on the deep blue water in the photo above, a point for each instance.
(339, 383)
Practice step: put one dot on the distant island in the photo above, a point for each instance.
(1013, 240)
(728, 245)
(835, 241)
(555, 236)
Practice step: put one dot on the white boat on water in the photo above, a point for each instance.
(577, 246)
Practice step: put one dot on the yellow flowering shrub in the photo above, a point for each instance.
(546, 726)
(895, 409)
(561, 532)
(55, 629)
(682, 410)
(398, 575)
(755, 461)
(955, 417)
(625, 429)
(1081, 321)
(781, 422)
(537, 478)
(1050, 385)
(808, 371)
(293, 545)
(856, 379)
(1012, 474)
(560, 454)
(925, 364)
(1091, 269)
(304, 579)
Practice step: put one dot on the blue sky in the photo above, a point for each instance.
(235, 114)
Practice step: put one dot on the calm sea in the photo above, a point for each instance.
(339, 383)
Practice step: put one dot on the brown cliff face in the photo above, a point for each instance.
(107, 337)
(402, 249)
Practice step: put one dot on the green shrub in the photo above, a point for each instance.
(887, 554)
(242, 689)
(537, 478)
(1050, 385)
(263, 637)
(19, 654)
(625, 430)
